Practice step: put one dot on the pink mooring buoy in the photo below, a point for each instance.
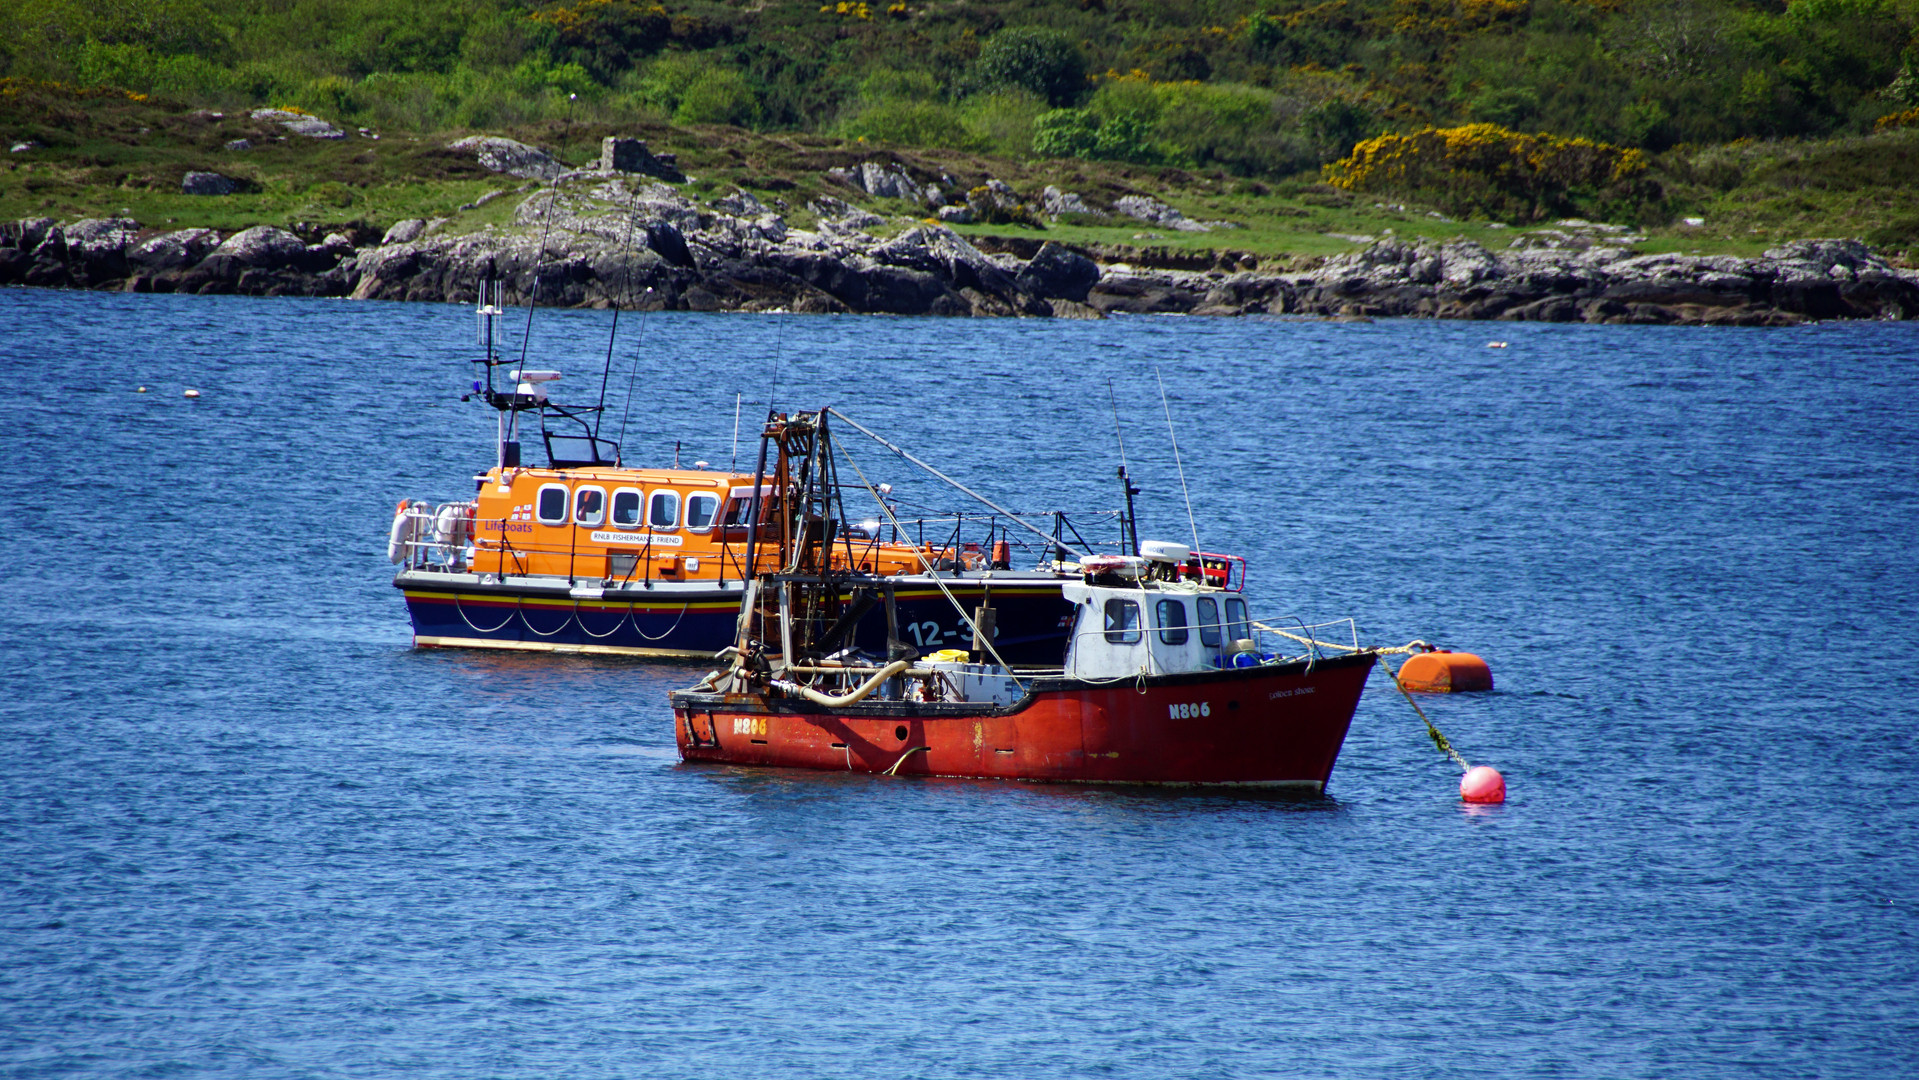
(1482, 784)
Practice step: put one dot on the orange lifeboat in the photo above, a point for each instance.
(1442, 671)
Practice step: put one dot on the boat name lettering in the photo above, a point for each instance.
(749, 725)
(1190, 710)
(1277, 694)
(637, 539)
(506, 526)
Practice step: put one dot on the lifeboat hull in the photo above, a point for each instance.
(1278, 725)
(694, 620)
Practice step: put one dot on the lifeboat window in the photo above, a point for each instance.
(1236, 628)
(1172, 622)
(589, 506)
(701, 507)
(1122, 622)
(626, 508)
(663, 510)
(1208, 621)
(552, 507)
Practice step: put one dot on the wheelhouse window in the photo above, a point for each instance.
(1122, 622)
(663, 510)
(589, 506)
(701, 508)
(626, 508)
(736, 519)
(1208, 621)
(550, 508)
(1172, 621)
(1236, 626)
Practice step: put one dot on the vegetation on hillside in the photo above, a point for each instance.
(1515, 109)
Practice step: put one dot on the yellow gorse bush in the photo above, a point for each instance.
(1908, 118)
(1484, 166)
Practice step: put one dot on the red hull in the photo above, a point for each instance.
(1280, 725)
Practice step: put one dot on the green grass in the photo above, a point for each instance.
(106, 154)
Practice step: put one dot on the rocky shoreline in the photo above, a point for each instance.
(608, 236)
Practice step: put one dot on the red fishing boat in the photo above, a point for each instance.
(1166, 677)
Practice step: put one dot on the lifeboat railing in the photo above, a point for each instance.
(436, 536)
(942, 539)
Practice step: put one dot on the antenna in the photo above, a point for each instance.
(736, 433)
(1126, 484)
(626, 278)
(627, 409)
(773, 396)
(1176, 462)
(539, 261)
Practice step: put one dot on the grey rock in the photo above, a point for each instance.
(27, 233)
(205, 183)
(95, 237)
(879, 181)
(175, 250)
(741, 203)
(1059, 272)
(240, 144)
(889, 184)
(299, 123)
(1154, 212)
(1056, 202)
(1825, 254)
(24, 146)
(956, 215)
(838, 214)
(510, 157)
(404, 232)
(263, 246)
(618, 154)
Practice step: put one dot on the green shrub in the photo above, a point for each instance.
(1065, 133)
(1043, 61)
(907, 123)
(1001, 122)
(718, 96)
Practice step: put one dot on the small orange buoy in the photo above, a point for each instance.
(1442, 671)
(1482, 784)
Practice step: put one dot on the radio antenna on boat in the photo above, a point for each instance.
(779, 337)
(1129, 522)
(626, 281)
(736, 431)
(1176, 462)
(627, 409)
(539, 260)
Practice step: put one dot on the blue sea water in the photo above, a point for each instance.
(246, 830)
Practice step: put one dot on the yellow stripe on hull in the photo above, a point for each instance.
(550, 647)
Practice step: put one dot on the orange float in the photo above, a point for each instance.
(1443, 671)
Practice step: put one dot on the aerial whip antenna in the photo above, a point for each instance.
(1176, 462)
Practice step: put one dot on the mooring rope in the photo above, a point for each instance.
(1439, 740)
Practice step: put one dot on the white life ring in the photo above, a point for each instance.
(400, 535)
